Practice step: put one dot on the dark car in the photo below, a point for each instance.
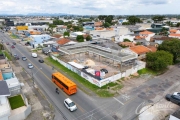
(12, 46)
(16, 56)
(174, 98)
(14, 43)
(41, 61)
(24, 58)
(104, 70)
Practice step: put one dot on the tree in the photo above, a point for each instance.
(88, 38)
(80, 38)
(178, 24)
(158, 18)
(164, 31)
(159, 60)
(69, 26)
(66, 34)
(125, 23)
(172, 46)
(126, 40)
(133, 20)
(102, 17)
(58, 22)
(51, 27)
(106, 25)
(109, 19)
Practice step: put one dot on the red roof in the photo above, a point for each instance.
(146, 32)
(176, 35)
(140, 49)
(62, 41)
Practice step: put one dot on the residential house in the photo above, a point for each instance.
(65, 41)
(174, 35)
(5, 109)
(160, 39)
(98, 24)
(174, 31)
(57, 36)
(141, 51)
(75, 34)
(146, 34)
(61, 29)
(36, 40)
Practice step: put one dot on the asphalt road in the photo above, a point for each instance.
(124, 107)
(88, 108)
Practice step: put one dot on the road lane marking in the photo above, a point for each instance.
(82, 110)
(118, 100)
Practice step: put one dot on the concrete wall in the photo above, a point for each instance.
(100, 83)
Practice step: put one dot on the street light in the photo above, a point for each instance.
(34, 75)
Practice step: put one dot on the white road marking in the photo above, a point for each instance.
(118, 100)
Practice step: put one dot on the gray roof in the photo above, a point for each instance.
(4, 90)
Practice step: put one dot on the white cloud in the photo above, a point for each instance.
(90, 6)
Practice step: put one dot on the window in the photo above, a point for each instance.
(59, 81)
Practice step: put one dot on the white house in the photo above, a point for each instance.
(5, 109)
(122, 37)
(146, 34)
(75, 34)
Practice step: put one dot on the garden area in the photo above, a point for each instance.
(16, 102)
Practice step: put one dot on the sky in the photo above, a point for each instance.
(91, 7)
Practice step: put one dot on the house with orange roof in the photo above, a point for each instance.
(141, 51)
(174, 31)
(146, 34)
(98, 24)
(174, 35)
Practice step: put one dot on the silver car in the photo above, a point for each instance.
(30, 66)
(70, 104)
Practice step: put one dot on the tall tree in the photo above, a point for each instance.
(80, 38)
(133, 20)
(51, 27)
(172, 46)
(158, 18)
(159, 60)
(66, 34)
(88, 38)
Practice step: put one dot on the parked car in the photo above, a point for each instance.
(70, 104)
(12, 46)
(16, 56)
(30, 66)
(175, 98)
(14, 43)
(24, 58)
(7, 43)
(41, 61)
(104, 70)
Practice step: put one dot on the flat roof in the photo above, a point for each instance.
(4, 90)
(12, 82)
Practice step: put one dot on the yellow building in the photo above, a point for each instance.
(21, 27)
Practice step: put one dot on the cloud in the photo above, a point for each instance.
(89, 6)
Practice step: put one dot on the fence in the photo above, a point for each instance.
(105, 81)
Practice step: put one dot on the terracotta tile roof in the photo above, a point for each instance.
(152, 48)
(62, 41)
(176, 35)
(146, 32)
(140, 49)
(173, 31)
(129, 44)
(57, 36)
(35, 32)
(162, 38)
(139, 37)
(99, 28)
(1, 77)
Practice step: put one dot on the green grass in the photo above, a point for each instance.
(146, 71)
(13, 36)
(8, 55)
(102, 92)
(34, 50)
(16, 102)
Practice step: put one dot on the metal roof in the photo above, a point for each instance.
(4, 90)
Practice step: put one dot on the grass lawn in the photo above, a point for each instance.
(146, 71)
(8, 55)
(102, 92)
(13, 36)
(16, 102)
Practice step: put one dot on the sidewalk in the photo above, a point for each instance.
(41, 108)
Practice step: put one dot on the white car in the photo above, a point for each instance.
(70, 104)
(34, 55)
(30, 66)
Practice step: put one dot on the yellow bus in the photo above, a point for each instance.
(64, 83)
